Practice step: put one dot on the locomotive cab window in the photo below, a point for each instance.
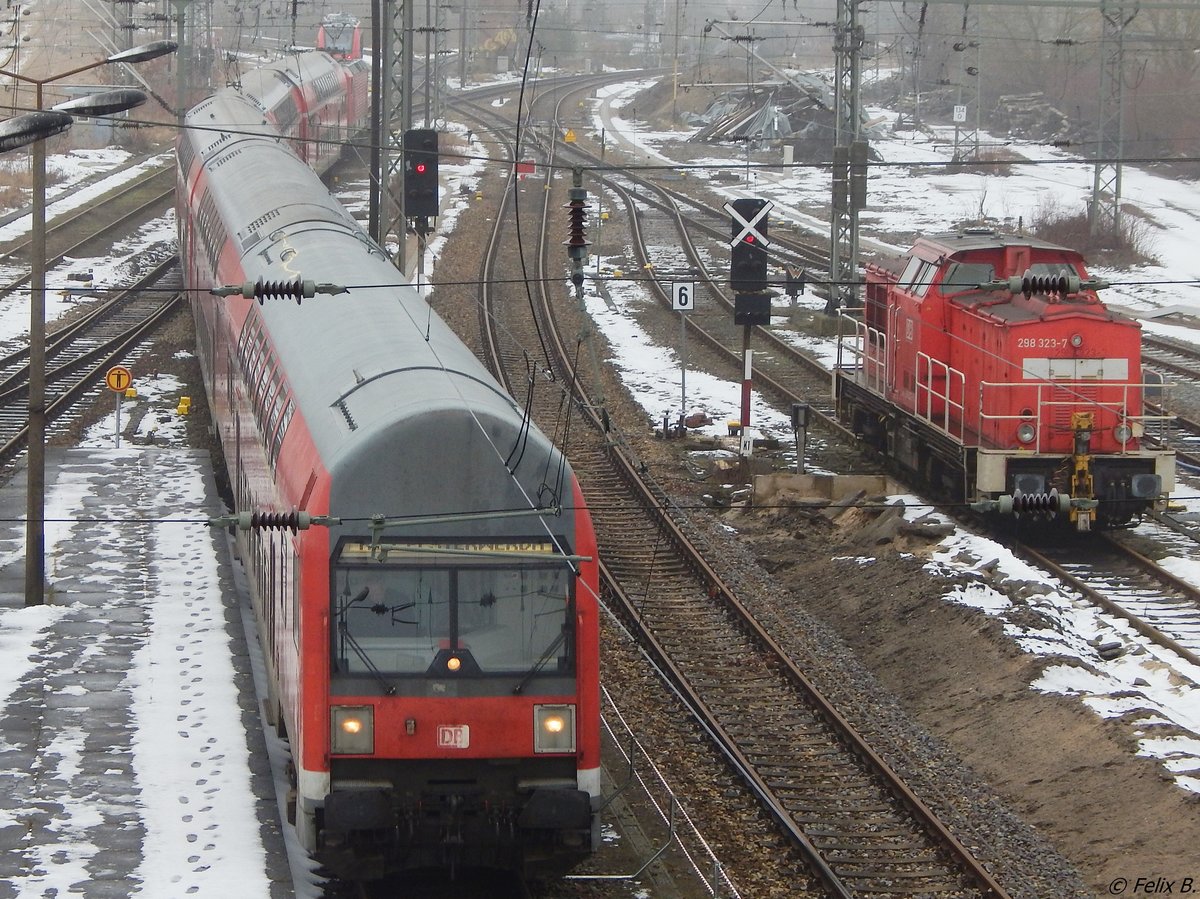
(917, 276)
(478, 604)
(964, 277)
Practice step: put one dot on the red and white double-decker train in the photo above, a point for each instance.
(432, 648)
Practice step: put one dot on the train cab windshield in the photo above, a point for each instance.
(496, 606)
(963, 277)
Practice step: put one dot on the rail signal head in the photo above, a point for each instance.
(748, 257)
(421, 172)
(748, 267)
(749, 220)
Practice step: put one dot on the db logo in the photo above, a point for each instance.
(453, 736)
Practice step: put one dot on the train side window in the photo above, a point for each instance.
(270, 590)
(294, 561)
(261, 383)
(255, 353)
(245, 337)
(275, 396)
(277, 439)
(283, 584)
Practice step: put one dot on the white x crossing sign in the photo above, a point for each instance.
(749, 227)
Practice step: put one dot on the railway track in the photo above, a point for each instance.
(692, 213)
(787, 373)
(793, 376)
(860, 828)
(73, 232)
(1160, 607)
(80, 348)
(78, 354)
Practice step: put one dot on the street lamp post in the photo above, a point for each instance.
(99, 104)
(23, 130)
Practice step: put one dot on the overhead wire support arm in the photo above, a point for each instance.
(748, 41)
(1104, 208)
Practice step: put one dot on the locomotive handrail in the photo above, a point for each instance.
(925, 386)
(867, 347)
(1043, 403)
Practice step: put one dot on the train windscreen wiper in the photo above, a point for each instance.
(540, 663)
(347, 638)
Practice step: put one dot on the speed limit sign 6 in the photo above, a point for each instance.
(683, 295)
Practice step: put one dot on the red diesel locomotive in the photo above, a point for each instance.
(986, 365)
(432, 643)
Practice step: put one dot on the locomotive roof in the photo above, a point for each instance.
(982, 239)
(979, 265)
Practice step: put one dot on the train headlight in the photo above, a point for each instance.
(1026, 432)
(554, 728)
(353, 729)
(1123, 432)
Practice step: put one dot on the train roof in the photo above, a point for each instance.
(373, 368)
(302, 66)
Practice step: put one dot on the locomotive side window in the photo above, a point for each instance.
(910, 272)
(963, 277)
(394, 617)
(924, 278)
(917, 276)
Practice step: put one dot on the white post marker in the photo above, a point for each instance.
(118, 379)
(683, 298)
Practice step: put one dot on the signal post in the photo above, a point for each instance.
(748, 279)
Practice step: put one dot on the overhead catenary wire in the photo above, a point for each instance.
(903, 500)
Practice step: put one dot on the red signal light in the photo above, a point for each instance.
(749, 238)
(420, 167)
